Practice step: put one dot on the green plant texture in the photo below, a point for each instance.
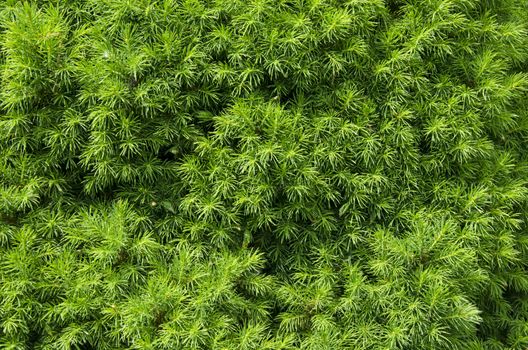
(264, 174)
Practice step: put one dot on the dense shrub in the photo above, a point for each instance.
(264, 174)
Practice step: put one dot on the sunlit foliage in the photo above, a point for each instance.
(264, 174)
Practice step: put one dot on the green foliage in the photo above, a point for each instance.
(286, 174)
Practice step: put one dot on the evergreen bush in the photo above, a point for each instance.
(264, 174)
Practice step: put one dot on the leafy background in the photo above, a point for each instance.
(266, 174)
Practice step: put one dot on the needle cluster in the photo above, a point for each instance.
(264, 174)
